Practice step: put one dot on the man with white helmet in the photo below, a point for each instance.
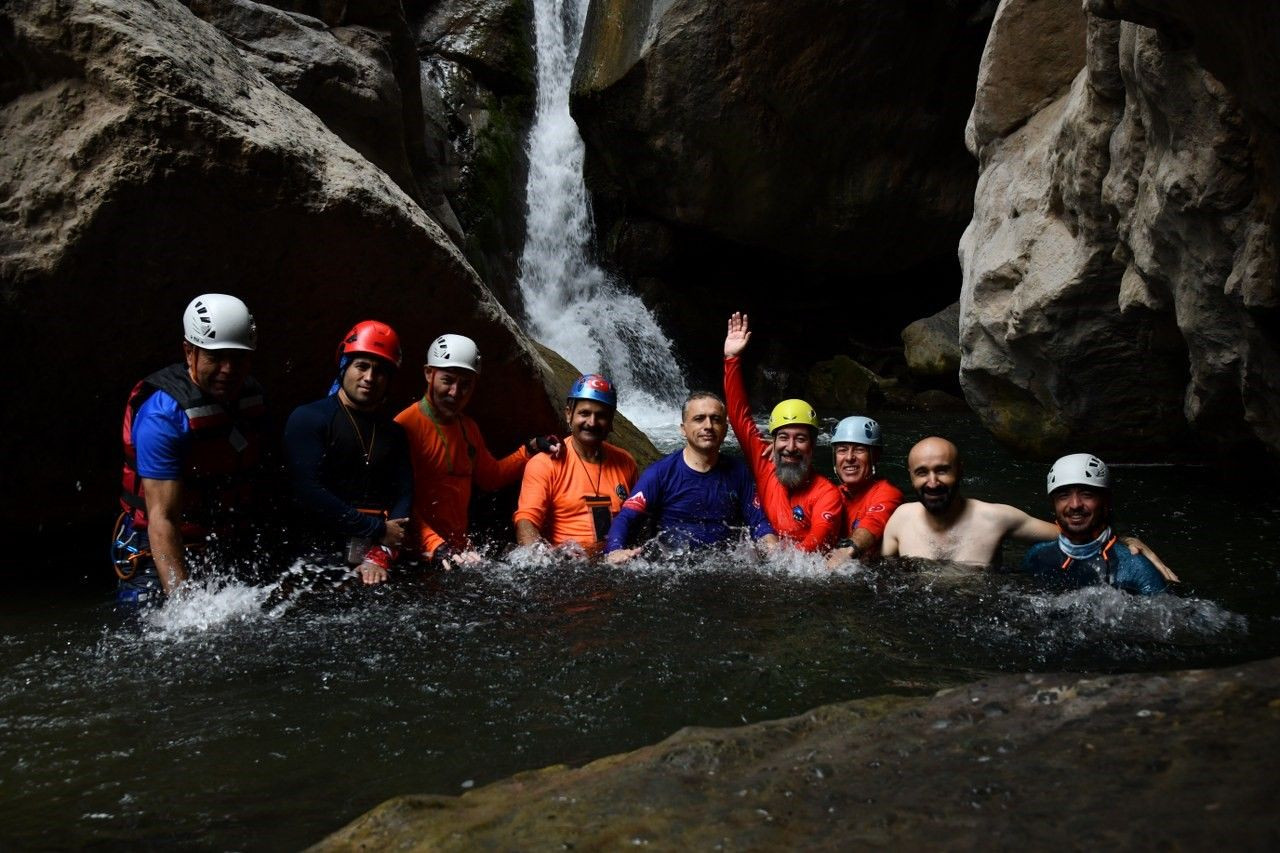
(571, 499)
(869, 500)
(192, 444)
(803, 507)
(449, 453)
(349, 462)
(1084, 554)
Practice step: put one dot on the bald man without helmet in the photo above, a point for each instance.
(947, 526)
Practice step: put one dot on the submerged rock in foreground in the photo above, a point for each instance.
(1171, 760)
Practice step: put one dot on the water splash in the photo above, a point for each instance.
(203, 606)
(572, 305)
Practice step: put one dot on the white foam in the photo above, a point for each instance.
(573, 307)
(200, 606)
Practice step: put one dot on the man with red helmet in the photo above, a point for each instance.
(192, 442)
(449, 454)
(349, 461)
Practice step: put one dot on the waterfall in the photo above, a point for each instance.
(573, 306)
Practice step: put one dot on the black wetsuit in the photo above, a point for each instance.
(326, 448)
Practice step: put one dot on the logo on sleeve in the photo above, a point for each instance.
(826, 516)
(876, 508)
(636, 502)
(622, 493)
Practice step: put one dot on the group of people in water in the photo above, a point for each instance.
(381, 492)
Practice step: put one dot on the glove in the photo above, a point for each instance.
(443, 557)
(548, 444)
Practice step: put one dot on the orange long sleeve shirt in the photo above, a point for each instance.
(812, 515)
(447, 458)
(556, 494)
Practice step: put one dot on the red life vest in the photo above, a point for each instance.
(225, 446)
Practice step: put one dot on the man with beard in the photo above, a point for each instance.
(1085, 553)
(450, 456)
(349, 462)
(869, 500)
(804, 508)
(696, 497)
(572, 499)
(947, 526)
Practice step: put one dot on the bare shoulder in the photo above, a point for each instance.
(904, 514)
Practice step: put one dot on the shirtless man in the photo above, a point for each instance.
(947, 526)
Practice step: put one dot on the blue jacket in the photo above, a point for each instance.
(1130, 572)
(691, 508)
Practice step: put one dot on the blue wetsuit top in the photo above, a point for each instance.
(691, 508)
(1130, 572)
(332, 481)
(160, 437)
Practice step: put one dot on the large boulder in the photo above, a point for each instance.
(1177, 760)
(735, 150)
(146, 160)
(1119, 272)
(932, 344)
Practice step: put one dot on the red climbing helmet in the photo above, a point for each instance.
(371, 338)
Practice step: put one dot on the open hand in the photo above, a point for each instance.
(738, 336)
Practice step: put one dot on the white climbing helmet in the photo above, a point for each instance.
(219, 321)
(1079, 469)
(454, 351)
(857, 430)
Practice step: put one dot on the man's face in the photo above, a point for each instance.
(793, 455)
(220, 373)
(589, 422)
(450, 389)
(704, 425)
(1081, 511)
(365, 381)
(854, 462)
(935, 474)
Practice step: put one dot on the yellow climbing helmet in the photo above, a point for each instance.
(792, 413)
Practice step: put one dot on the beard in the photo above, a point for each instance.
(791, 475)
(938, 500)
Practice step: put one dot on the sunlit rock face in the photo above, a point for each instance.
(1119, 272)
(148, 159)
(734, 149)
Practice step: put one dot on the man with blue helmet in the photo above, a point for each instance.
(1084, 552)
(869, 500)
(573, 499)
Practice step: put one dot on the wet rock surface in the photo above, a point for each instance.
(1120, 282)
(1181, 760)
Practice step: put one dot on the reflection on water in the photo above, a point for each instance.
(263, 717)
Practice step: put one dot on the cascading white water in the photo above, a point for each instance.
(573, 306)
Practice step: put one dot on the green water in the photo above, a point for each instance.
(220, 725)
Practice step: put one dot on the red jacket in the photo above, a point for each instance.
(812, 516)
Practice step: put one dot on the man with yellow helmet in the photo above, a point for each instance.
(803, 508)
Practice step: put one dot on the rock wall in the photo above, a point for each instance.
(735, 149)
(1167, 761)
(150, 156)
(1120, 283)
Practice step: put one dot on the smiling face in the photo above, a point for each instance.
(589, 423)
(365, 381)
(220, 373)
(449, 389)
(934, 466)
(704, 425)
(1081, 511)
(793, 455)
(854, 462)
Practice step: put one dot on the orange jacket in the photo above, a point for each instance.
(869, 507)
(812, 516)
(447, 458)
(555, 492)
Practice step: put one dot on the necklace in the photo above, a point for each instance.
(366, 448)
(595, 488)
